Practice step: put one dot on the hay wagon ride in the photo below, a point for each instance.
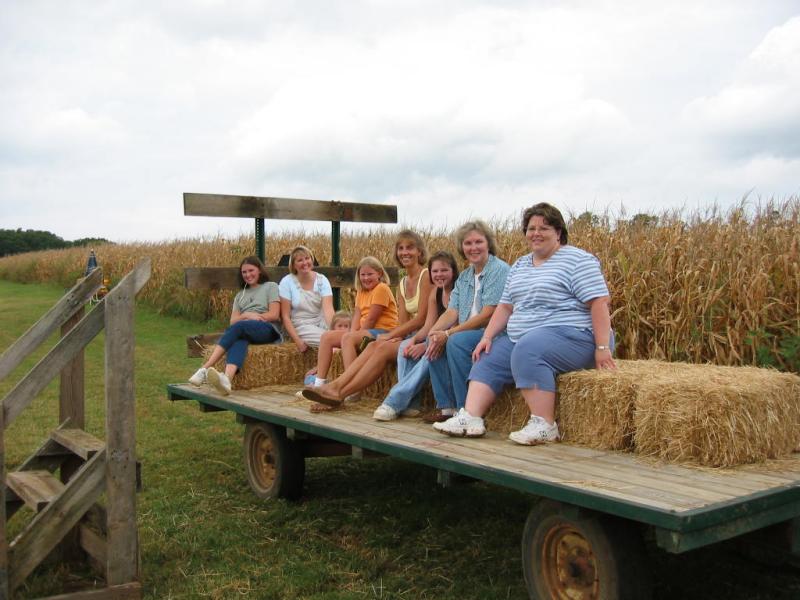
(584, 537)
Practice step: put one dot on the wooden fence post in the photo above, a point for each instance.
(122, 564)
(3, 541)
(71, 406)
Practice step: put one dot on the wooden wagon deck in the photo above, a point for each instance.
(688, 507)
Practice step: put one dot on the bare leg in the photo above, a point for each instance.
(350, 343)
(480, 398)
(541, 403)
(217, 353)
(336, 385)
(328, 341)
(383, 355)
(230, 370)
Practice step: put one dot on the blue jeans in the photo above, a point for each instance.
(241, 334)
(411, 376)
(450, 371)
(538, 356)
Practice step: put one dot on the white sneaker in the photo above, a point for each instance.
(384, 413)
(537, 431)
(462, 424)
(199, 377)
(219, 381)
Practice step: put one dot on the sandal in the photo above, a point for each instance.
(435, 417)
(315, 396)
(317, 408)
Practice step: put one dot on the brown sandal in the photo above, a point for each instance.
(317, 408)
(316, 396)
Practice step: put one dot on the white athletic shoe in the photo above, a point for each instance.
(537, 431)
(384, 413)
(219, 381)
(462, 424)
(199, 377)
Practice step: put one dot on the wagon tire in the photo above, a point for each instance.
(569, 553)
(274, 464)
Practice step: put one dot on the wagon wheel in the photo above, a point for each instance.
(567, 555)
(274, 464)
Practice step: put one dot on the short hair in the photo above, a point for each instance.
(299, 249)
(551, 215)
(407, 234)
(339, 315)
(256, 262)
(370, 261)
(446, 257)
(482, 228)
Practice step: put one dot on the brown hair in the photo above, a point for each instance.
(445, 257)
(551, 215)
(256, 262)
(482, 228)
(407, 234)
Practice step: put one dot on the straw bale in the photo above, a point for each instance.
(270, 364)
(717, 416)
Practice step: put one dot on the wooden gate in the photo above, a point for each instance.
(68, 515)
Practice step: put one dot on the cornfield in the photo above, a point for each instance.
(718, 287)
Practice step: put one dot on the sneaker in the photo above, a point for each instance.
(462, 424)
(384, 413)
(537, 431)
(219, 381)
(199, 377)
(352, 398)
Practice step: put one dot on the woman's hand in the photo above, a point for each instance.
(415, 351)
(604, 360)
(301, 346)
(485, 345)
(436, 343)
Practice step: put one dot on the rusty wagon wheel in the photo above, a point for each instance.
(569, 554)
(275, 465)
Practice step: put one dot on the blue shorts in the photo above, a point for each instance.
(376, 332)
(536, 358)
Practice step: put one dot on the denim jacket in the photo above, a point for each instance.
(493, 280)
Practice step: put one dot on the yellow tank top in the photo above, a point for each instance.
(412, 304)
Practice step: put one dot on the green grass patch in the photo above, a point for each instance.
(363, 529)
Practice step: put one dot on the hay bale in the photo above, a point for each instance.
(270, 364)
(717, 416)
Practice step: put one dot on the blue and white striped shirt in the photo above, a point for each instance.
(554, 293)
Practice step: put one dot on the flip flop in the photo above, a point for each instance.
(315, 396)
(317, 408)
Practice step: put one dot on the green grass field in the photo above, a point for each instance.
(363, 529)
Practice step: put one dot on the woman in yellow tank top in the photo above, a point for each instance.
(410, 253)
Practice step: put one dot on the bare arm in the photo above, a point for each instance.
(496, 324)
(327, 309)
(601, 325)
(286, 317)
(407, 325)
(372, 317)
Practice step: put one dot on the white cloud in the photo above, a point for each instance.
(449, 109)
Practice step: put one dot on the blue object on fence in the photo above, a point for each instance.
(91, 264)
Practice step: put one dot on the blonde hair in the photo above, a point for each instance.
(340, 315)
(482, 228)
(370, 261)
(419, 243)
(299, 249)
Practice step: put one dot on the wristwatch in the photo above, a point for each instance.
(602, 348)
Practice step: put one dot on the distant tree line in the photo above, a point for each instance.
(16, 241)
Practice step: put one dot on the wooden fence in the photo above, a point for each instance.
(68, 514)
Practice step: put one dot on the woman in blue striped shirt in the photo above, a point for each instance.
(555, 313)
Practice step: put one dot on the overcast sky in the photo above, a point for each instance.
(449, 109)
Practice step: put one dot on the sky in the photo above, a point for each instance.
(110, 111)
